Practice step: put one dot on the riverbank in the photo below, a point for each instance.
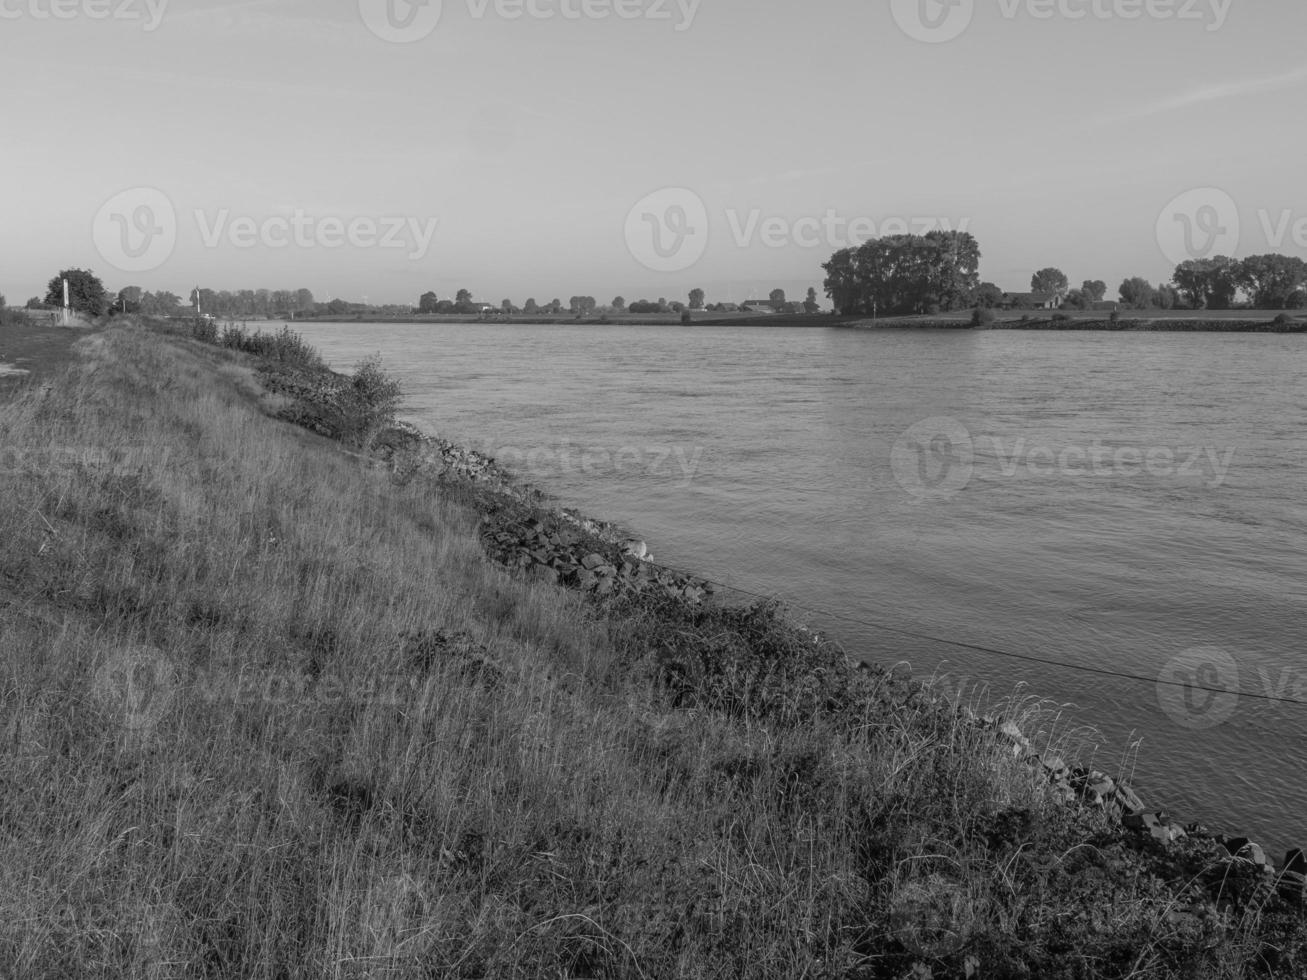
(353, 724)
(1255, 321)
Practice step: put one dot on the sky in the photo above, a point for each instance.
(373, 150)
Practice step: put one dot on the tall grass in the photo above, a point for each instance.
(266, 714)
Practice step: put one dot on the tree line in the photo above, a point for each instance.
(939, 272)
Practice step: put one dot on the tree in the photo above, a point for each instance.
(619, 304)
(1137, 293)
(506, 306)
(162, 303)
(85, 292)
(463, 297)
(1094, 289)
(427, 302)
(810, 305)
(3, 302)
(1269, 280)
(905, 274)
(1076, 299)
(777, 298)
(35, 303)
(1165, 297)
(696, 299)
(128, 300)
(530, 306)
(1050, 280)
(989, 296)
(1208, 283)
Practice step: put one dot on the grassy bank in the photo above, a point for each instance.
(269, 711)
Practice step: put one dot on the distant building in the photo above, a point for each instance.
(1032, 301)
(758, 306)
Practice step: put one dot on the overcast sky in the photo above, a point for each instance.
(369, 148)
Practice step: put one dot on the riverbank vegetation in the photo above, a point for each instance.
(269, 711)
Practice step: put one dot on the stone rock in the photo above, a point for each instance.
(1295, 861)
(1128, 799)
(1293, 886)
(636, 549)
(593, 561)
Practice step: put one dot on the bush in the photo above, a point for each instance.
(685, 317)
(981, 316)
(1061, 318)
(1115, 317)
(368, 403)
(1284, 320)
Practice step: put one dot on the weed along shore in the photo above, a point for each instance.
(294, 690)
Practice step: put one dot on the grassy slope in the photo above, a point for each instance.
(267, 714)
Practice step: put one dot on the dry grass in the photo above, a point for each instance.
(265, 714)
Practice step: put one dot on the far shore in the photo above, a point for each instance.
(1202, 321)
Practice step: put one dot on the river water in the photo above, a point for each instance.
(1128, 503)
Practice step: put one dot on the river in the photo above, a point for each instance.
(1129, 503)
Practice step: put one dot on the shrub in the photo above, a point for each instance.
(368, 402)
(1061, 318)
(1115, 317)
(685, 316)
(205, 331)
(1284, 320)
(981, 316)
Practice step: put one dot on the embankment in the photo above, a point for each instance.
(277, 709)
